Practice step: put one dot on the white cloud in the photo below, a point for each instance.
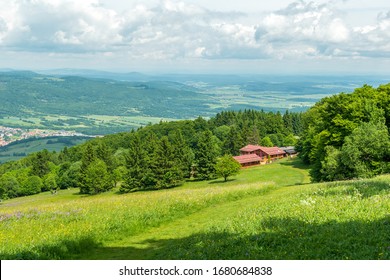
(42, 25)
(179, 30)
(303, 28)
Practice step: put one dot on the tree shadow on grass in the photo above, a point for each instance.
(295, 163)
(222, 181)
(276, 239)
(280, 239)
(60, 250)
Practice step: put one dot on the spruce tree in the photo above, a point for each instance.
(104, 153)
(137, 167)
(40, 164)
(87, 158)
(166, 169)
(205, 156)
(182, 153)
(233, 143)
(253, 136)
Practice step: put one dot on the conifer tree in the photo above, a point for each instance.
(205, 156)
(182, 153)
(233, 143)
(288, 122)
(137, 167)
(40, 164)
(253, 136)
(104, 153)
(87, 158)
(166, 169)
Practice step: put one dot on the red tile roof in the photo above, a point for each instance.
(250, 148)
(247, 158)
(267, 150)
(272, 151)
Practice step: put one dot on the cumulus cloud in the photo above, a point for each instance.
(311, 29)
(175, 29)
(303, 28)
(374, 40)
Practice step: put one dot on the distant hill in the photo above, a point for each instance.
(20, 149)
(99, 102)
(28, 93)
(29, 99)
(96, 74)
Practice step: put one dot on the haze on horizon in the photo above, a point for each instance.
(188, 36)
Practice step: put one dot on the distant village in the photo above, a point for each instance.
(10, 134)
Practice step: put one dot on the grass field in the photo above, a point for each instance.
(265, 212)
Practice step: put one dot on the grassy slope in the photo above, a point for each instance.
(265, 213)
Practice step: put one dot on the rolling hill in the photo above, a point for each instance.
(93, 102)
(33, 100)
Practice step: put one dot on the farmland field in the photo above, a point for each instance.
(265, 212)
(18, 150)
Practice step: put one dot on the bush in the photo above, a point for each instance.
(32, 185)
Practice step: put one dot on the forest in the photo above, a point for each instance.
(346, 136)
(153, 157)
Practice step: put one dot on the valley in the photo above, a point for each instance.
(98, 103)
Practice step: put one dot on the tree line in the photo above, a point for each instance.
(157, 156)
(346, 136)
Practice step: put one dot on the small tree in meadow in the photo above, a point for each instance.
(227, 166)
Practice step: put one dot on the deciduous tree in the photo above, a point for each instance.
(227, 166)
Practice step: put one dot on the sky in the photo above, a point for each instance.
(197, 36)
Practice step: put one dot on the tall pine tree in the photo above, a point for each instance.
(137, 167)
(166, 169)
(233, 143)
(205, 156)
(182, 153)
(87, 158)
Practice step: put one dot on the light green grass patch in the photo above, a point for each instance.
(263, 213)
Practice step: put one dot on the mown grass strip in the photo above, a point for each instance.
(55, 231)
(343, 220)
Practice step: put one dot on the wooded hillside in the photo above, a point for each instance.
(347, 135)
(154, 157)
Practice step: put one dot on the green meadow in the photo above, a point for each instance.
(265, 212)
